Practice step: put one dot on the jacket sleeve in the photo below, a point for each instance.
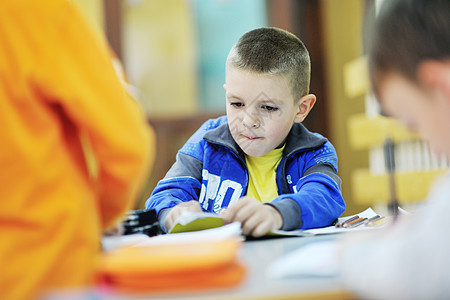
(318, 199)
(77, 77)
(183, 182)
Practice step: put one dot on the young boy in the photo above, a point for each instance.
(62, 106)
(409, 62)
(257, 165)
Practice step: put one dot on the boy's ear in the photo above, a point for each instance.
(225, 87)
(435, 75)
(305, 104)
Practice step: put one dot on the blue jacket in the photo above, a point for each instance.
(211, 169)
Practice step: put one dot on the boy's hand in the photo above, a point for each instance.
(256, 218)
(178, 210)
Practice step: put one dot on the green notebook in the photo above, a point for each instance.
(197, 221)
(201, 221)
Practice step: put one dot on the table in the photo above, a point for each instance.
(257, 255)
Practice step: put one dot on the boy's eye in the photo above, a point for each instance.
(269, 108)
(237, 104)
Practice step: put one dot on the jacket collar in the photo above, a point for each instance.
(298, 139)
(221, 135)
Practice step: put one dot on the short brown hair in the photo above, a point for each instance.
(274, 51)
(405, 34)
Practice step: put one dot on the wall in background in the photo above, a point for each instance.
(219, 24)
(160, 55)
(342, 25)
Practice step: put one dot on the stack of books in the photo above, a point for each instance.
(173, 264)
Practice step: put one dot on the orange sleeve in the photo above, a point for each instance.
(78, 75)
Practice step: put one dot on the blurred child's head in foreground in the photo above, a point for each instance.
(409, 65)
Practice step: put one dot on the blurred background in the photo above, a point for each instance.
(174, 52)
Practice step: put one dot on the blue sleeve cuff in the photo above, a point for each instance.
(290, 212)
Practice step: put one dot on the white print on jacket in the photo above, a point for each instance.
(215, 189)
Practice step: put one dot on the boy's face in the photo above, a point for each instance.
(261, 110)
(423, 109)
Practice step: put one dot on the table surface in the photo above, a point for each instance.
(257, 256)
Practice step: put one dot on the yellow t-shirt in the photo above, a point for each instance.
(262, 184)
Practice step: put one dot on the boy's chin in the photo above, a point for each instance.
(254, 152)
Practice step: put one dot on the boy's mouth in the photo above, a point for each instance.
(251, 138)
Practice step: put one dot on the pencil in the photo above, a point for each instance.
(372, 219)
(379, 221)
(354, 223)
(347, 221)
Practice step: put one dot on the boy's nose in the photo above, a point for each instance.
(250, 120)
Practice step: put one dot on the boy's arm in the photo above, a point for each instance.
(182, 183)
(318, 200)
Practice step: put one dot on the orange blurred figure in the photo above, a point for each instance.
(75, 148)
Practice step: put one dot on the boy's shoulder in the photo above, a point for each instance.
(212, 127)
(300, 138)
(214, 123)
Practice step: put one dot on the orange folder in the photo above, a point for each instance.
(174, 269)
